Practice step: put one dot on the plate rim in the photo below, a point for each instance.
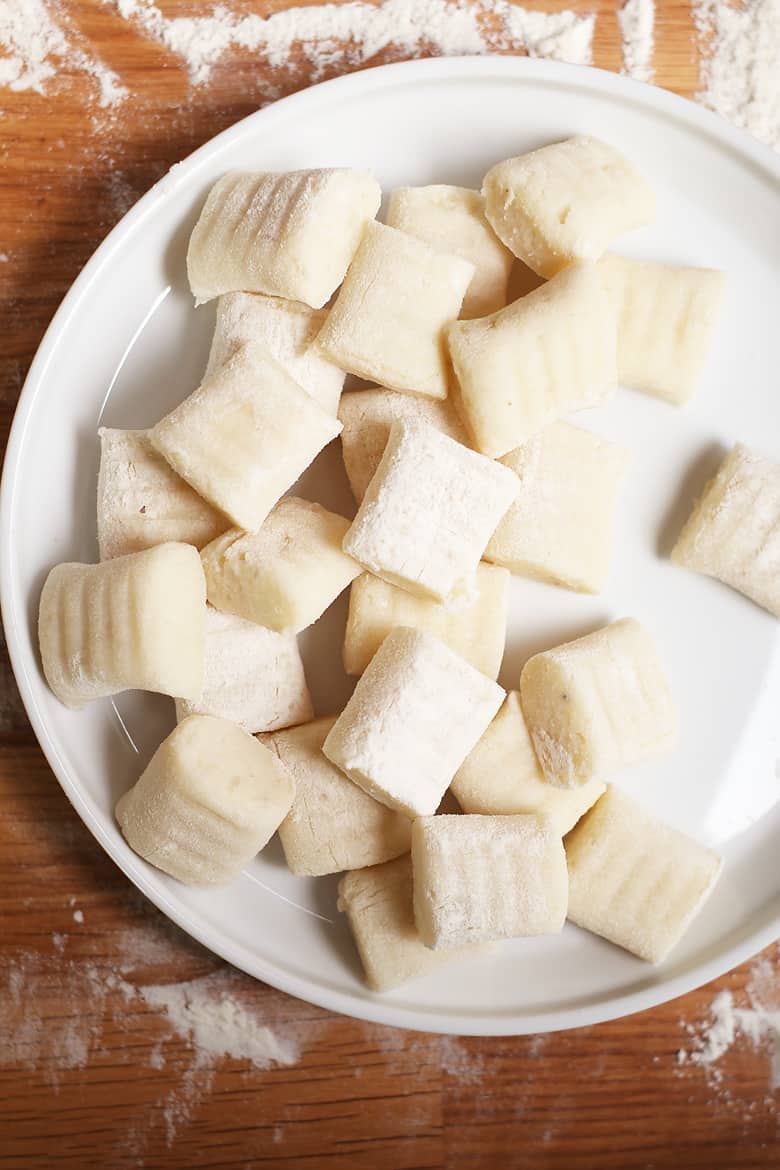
(14, 609)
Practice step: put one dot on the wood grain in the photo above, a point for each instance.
(90, 1076)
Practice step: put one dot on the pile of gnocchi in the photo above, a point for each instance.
(463, 473)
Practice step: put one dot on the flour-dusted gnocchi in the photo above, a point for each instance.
(252, 676)
(386, 324)
(666, 316)
(429, 512)
(141, 501)
(286, 329)
(367, 416)
(479, 879)
(501, 774)
(453, 219)
(132, 623)
(333, 825)
(379, 908)
(476, 629)
(288, 235)
(286, 574)
(733, 533)
(414, 716)
(597, 704)
(548, 353)
(565, 202)
(635, 880)
(210, 798)
(560, 527)
(245, 435)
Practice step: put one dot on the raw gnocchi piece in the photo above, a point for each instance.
(286, 329)
(597, 704)
(245, 436)
(429, 512)
(560, 527)
(453, 219)
(733, 533)
(478, 878)
(253, 676)
(413, 717)
(565, 202)
(132, 623)
(210, 798)
(501, 774)
(367, 416)
(379, 909)
(285, 575)
(141, 501)
(476, 630)
(333, 825)
(287, 235)
(635, 880)
(666, 316)
(551, 352)
(386, 324)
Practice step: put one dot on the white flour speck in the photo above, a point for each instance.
(78, 916)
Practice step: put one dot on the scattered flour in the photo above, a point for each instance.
(349, 35)
(741, 67)
(78, 916)
(33, 41)
(758, 1023)
(637, 21)
(214, 1016)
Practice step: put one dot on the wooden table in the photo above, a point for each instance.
(90, 1076)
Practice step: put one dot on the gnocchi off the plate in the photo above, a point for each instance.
(465, 474)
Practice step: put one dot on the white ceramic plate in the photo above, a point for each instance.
(126, 345)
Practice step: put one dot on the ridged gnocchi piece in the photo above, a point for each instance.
(635, 880)
(429, 512)
(142, 502)
(210, 798)
(501, 775)
(666, 316)
(453, 219)
(597, 704)
(386, 324)
(286, 329)
(285, 575)
(566, 202)
(245, 436)
(560, 527)
(548, 353)
(379, 908)
(333, 825)
(476, 629)
(252, 676)
(479, 879)
(413, 717)
(367, 416)
(132, 623)
(287, 235)
(733, 533)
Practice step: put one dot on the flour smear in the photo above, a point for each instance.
(636, 20)
(36, 48)
(755, 1022)
(741, 70)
